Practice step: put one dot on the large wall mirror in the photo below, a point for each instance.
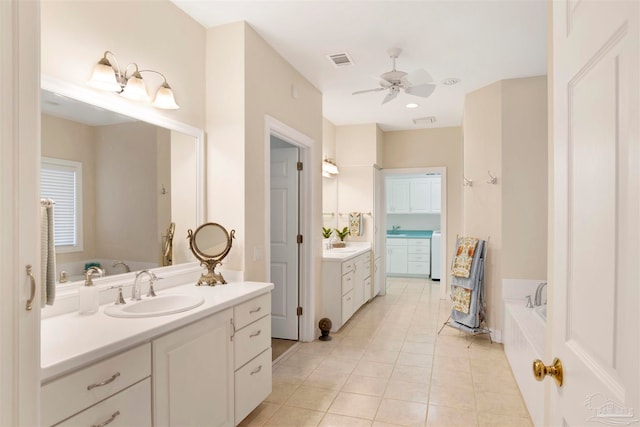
(139, 184)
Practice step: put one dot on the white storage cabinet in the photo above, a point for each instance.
(346, 286)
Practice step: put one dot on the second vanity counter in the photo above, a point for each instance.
(352, 250)
(71, 341)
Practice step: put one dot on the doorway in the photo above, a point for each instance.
(284, 241)
(414, 214)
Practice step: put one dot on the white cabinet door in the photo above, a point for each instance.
(396, 259)
(358, 283)
(377, 276)
(193, 374)
(398, 196)
(420, 195)
(436, 190)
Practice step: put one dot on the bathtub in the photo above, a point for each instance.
(524, 341)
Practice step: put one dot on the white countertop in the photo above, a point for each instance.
(70, 341)
(352, 249)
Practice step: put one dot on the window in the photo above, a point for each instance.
(61, 181)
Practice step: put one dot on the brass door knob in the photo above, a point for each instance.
(554, 370)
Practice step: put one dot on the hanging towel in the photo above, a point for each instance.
(355, 223)
(47, 253)
(464, 257)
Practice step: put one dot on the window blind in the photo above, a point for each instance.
(59, 183)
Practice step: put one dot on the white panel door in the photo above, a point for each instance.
(284, 246)
(19, 212)
(594, 318)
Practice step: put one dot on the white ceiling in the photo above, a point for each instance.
(479, 42)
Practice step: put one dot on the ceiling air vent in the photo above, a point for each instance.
(424, 120)
(340, 60)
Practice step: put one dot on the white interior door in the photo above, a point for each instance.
(594, 314)
(284, 246)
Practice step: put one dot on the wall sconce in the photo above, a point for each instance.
(492, 179)
(329, 168)
(130, 85)
(467, 182)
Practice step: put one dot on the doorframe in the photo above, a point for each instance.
(307, 206)
(442, 170)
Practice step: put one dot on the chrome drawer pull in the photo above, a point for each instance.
(109, 421)
(255, 334)
(105, 382)
(255, 371)
(255, 310)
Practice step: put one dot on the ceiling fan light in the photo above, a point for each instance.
(135, 88)
(165, 99)
(104, 77)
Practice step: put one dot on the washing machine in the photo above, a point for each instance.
(436, 255)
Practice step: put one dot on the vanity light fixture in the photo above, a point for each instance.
(130, 84)
(329, 168)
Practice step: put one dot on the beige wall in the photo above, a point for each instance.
(65, 139)
(329, 185)
(505, 132)
(268, 91)
(154, 34)
(432, 148)
(482, 201)
(226, 134)
(524, 184)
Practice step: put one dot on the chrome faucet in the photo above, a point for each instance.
(89, 274)
(135, 289)
(124, 264)
(538, 298)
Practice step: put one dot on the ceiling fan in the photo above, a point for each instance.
(417, 83)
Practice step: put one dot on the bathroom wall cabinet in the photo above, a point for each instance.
(346, 286)
(413, 195)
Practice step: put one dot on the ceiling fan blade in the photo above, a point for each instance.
(417, 78)
(424, 90)
(391, 95)
(378, 89)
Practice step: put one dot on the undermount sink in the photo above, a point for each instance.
(155, 306)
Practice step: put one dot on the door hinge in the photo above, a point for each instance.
(299, 239)
(299, 311)
(299, 166)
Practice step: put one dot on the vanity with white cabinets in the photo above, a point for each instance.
(346, 282)
(207, 366)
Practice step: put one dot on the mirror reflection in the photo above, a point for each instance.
(134, 189)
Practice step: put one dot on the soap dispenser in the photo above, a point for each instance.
(88, 295)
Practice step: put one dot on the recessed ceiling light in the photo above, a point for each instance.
(451, 81)
(412, 105)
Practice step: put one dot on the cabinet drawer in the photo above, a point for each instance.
(422, 268)
(347, 306)
(252, 310)
(130, 407)
(252, 385)
(418, 250)
(251, 341)
(397, 242)
(72, 393)
(348, 266)
(419, 242)
(347, 283)
(418, 258)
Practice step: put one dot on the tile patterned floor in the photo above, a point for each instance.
(389, 367)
